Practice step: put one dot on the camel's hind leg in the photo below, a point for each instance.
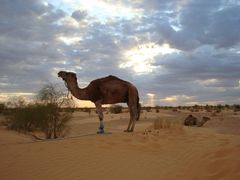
(132, 120)
(132, 103)
(129, 125)
(133, 117)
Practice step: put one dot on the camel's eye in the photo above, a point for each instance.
(64, 76)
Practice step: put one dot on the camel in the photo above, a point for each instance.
(106, 90)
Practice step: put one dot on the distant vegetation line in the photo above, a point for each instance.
(48, 117)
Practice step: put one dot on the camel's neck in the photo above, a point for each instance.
(76, 91)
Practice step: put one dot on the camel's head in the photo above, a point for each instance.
(66, 76)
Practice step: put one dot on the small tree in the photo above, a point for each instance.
(44, 116)
(50, 94)
(148, 108)
(55, 125)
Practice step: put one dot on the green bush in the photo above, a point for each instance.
(115, 109)
(148, 109)
(2, 108)
(236, 107)
(45, 118)
(20, 119)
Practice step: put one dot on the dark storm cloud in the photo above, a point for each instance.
(28, 20)
(35, 42)
(223, 31)
(199, 22)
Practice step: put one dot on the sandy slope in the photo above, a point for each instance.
(175, 153)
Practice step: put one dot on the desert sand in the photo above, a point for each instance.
(177, 152)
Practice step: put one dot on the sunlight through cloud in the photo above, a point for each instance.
(7, 96)
(176, 100)
(101, 10)
(141, 58)
(69, 40)
(151, 99)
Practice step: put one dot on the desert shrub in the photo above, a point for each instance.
(161, 123)
(174, 109)
(2, 108)
(21, 119)
(87, 110)
(68, 109)
(219, 106)
(115, 109)
(45, 118)
(148, 108)
(208, 108)
(236, 107)
(214, 114)
(196, 108)
(158, 124)
(157, 108)
(227, 106)
(54, 123)
(190, 120)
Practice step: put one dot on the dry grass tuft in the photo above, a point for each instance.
(160, 123)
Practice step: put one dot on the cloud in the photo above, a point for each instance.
(39, 38)
(186, 25)
(79, 15)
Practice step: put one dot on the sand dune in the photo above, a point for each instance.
(172, 153)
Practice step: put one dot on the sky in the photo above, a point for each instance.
(176, 52)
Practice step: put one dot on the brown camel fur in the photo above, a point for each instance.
(107, 90)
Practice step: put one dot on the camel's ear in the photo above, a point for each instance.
(74, 75)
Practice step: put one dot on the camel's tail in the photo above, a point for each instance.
(138, 109)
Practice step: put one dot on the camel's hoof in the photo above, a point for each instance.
(100, 132)
(128, 130)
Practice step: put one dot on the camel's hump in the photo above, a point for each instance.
(108, 78)
(111, 77)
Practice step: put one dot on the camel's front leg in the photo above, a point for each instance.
(100, 115)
